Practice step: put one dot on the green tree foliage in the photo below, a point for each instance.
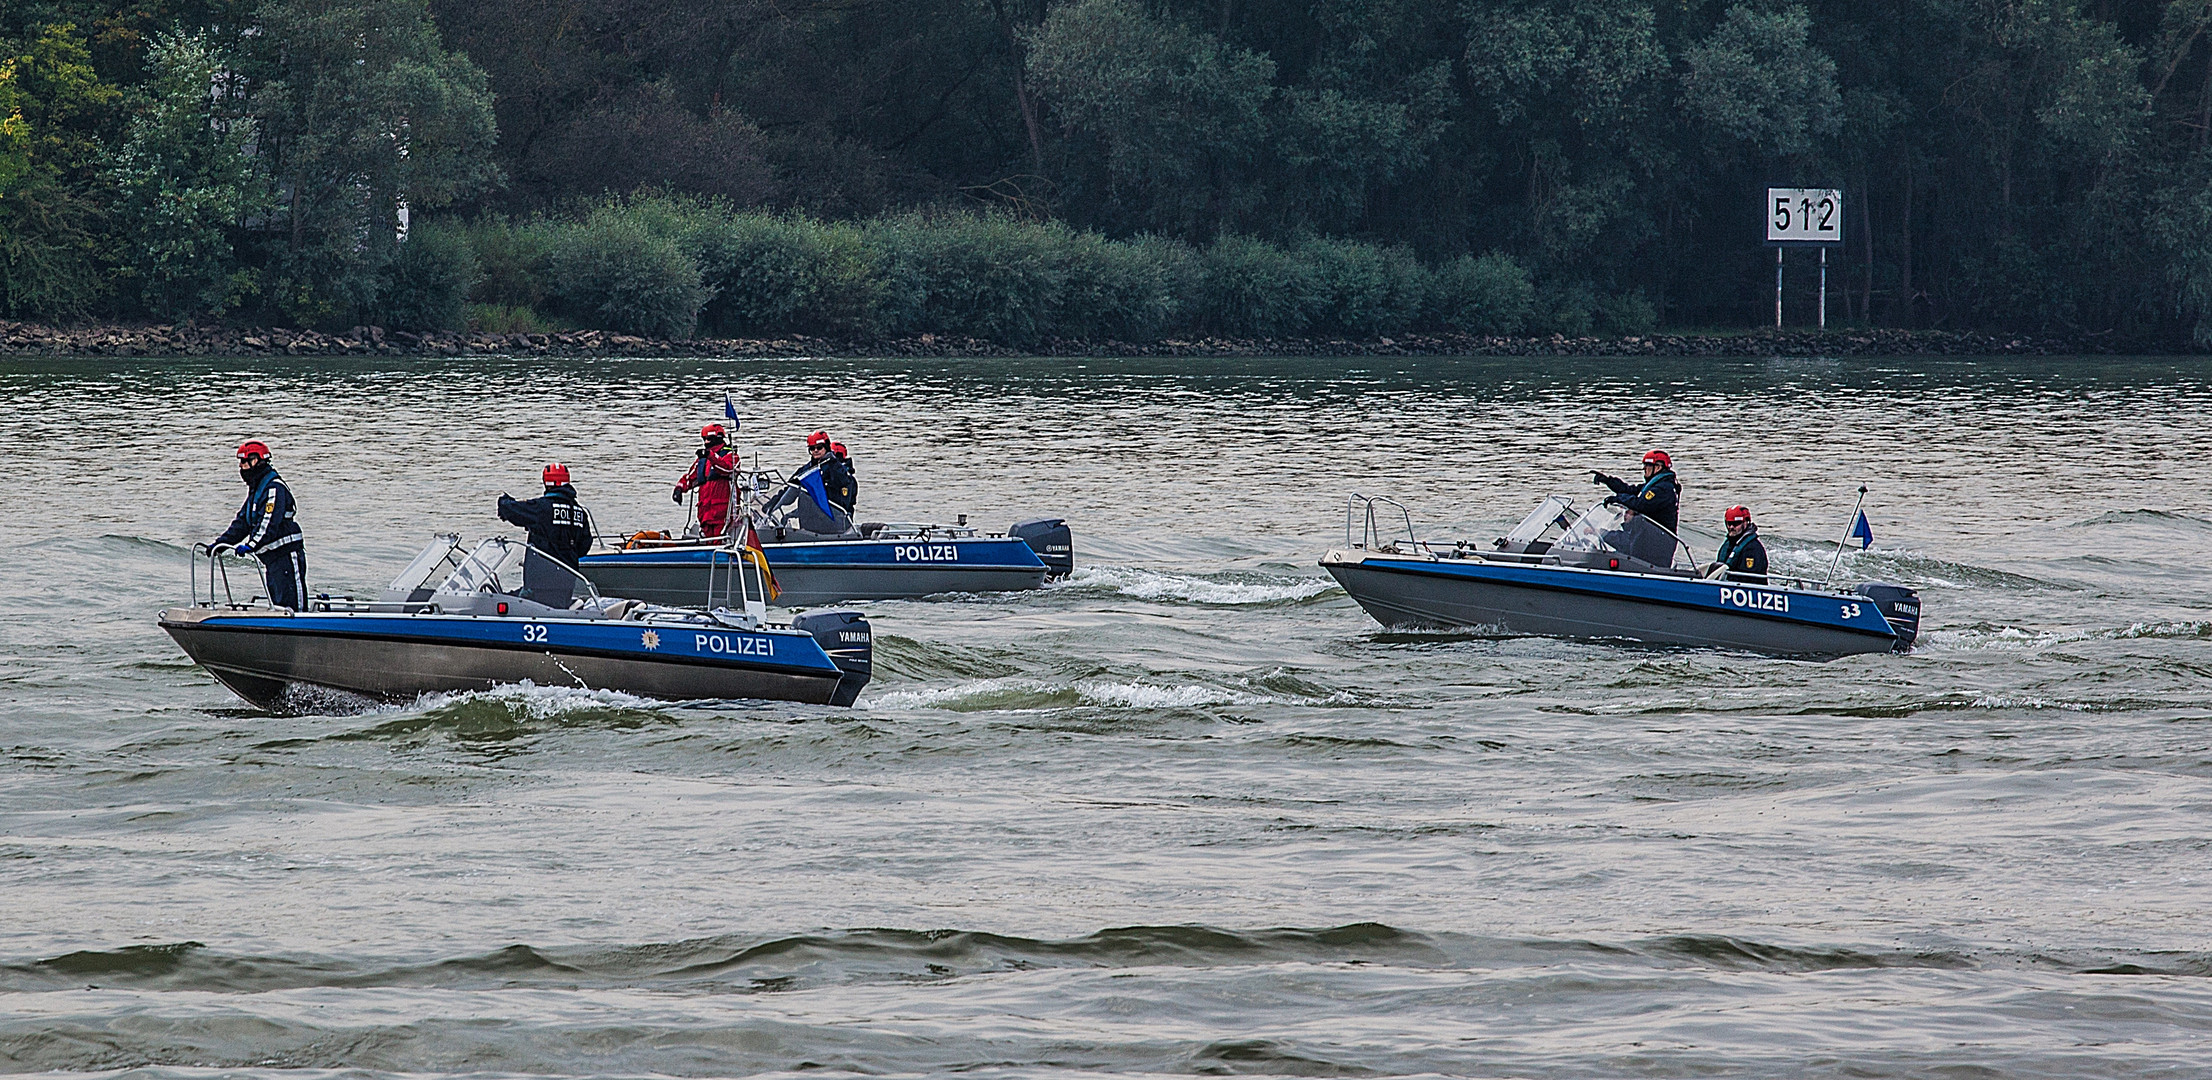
(2025, 164)
(361, 112)
(185, 183)
(54, 123)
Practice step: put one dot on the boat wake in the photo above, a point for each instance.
(1019, 693)
(1231, 589)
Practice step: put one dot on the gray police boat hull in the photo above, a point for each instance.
(1425, 591)
(668, 577)
(275, 659)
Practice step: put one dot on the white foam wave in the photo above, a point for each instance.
(1146, 696)
(541, 702)
(1025, 694)
(932, 697)
(1226, 590)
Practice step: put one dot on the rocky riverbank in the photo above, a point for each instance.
(27, 339)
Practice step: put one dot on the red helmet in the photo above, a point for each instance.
(1737, 515)
(556, 473)
(253, 446)
(1659, 458)
(837, 448)
(819, 438)
(714, 433)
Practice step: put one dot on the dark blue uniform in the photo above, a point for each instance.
(1745, 557)
(266, 528)
(558, 527)
(837, 476)
(1658, 498)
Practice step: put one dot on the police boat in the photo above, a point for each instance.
(819, 555)
(1603, 574)
(503, 612)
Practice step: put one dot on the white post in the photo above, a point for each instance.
(1777, 288)
(1824, 287)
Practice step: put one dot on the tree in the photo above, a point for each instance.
(186, 182)
(361, 113)
(55, 114)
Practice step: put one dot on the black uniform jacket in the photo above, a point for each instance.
(837, 476)
(1658, 498)
(1746, 557)
(557, 525)
(265, 525)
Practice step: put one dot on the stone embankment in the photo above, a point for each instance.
(27, 339)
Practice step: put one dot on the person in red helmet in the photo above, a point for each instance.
(837, 470)
(267, 528)
(1743, 556)
(1659, 497)
(713, 474)
(558, 527)
(852, 478)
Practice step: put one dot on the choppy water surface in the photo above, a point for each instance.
(1189, 812)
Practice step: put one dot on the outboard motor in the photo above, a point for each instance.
(1051, 540)
(1901, 606)
(850, 643)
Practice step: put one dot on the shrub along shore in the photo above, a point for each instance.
(29, 339)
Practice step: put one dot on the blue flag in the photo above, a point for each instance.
(730, 410)
(811, 480)
(1862, 532)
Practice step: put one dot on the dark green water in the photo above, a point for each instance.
(1189, 812)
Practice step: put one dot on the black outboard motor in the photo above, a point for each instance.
(850, 643)
(1901, 606)
(1051, 540)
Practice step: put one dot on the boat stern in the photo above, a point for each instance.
(850, 643)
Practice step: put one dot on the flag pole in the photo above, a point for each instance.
(1848, 525)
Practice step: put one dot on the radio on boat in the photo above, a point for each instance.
(503, 612)
(1604, 574)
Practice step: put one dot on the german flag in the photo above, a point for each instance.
(758, 556)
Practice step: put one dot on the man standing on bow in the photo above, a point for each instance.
(266, 529)
(713, 474)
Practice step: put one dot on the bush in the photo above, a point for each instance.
(1625, 314)
(1129, 290)
(508, 319)
(1486, 295)
(1251, 288)
(984, 276)
(1565, 309)
(426, 286)
(512, 261)
(613, 274)
(1366, 290)
(783, 274)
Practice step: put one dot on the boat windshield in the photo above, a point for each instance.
(1605, 528)
(513, 568)
(413, 584)
(1556, 510)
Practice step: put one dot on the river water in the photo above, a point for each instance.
(1190, 811)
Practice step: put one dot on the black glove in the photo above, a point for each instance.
(1597, 477)
(676, 496)
(1614, 500)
